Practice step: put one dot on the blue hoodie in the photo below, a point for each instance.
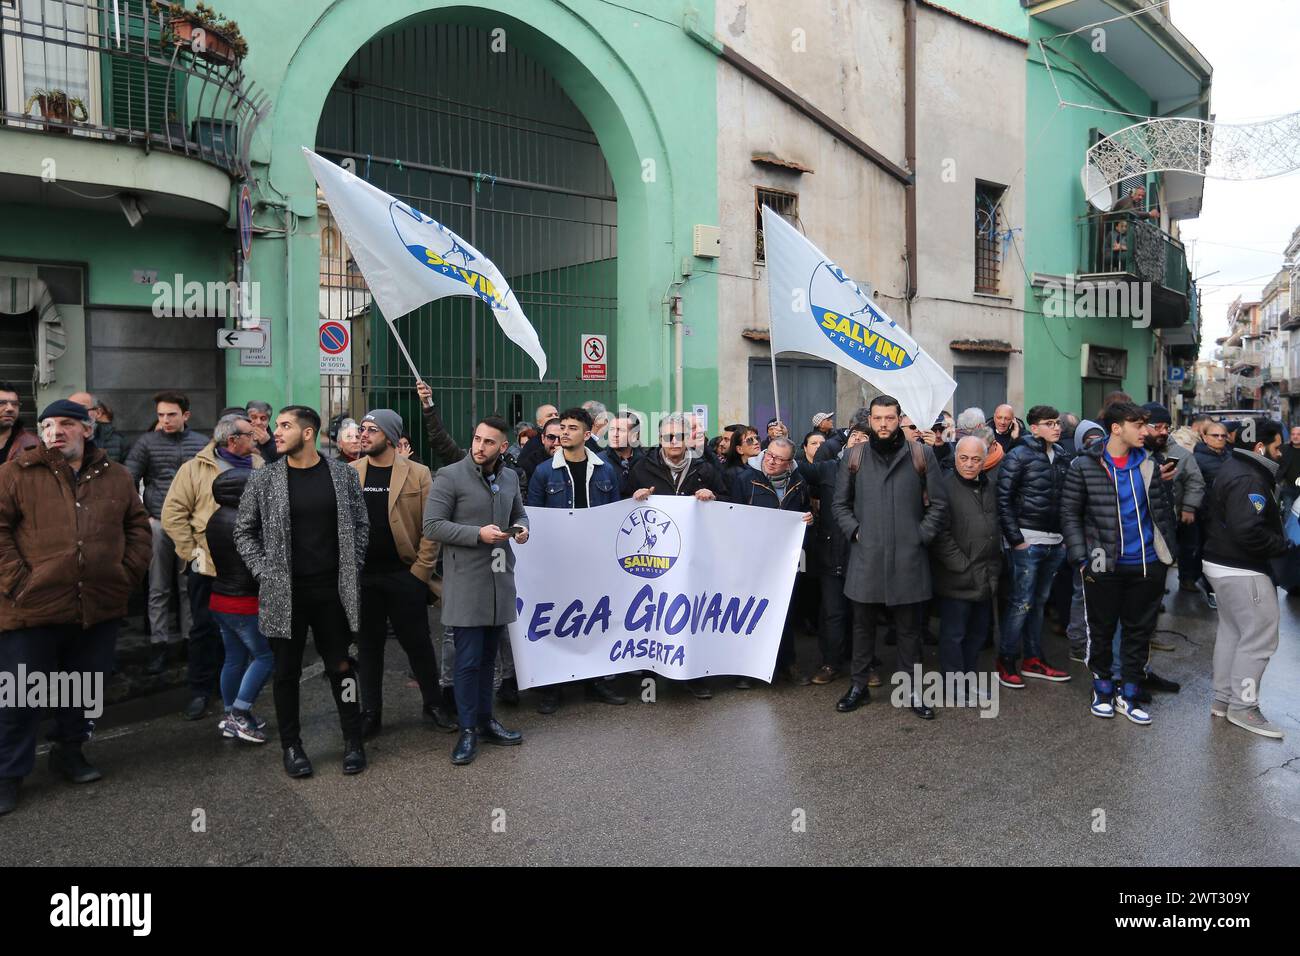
(1136, 533)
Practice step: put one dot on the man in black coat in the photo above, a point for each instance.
(1117, 516)
(669, 470)
(1211, 452)
(1244, 533)
(889, 502)
(1029, 509)
(966, 560)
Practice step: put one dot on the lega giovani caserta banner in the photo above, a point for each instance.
(681, 587)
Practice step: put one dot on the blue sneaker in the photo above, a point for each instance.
(1128, 705)
(1103, 697)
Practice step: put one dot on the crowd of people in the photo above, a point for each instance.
(256, 539)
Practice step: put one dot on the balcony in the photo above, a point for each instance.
(81, 79)
(1121, 249)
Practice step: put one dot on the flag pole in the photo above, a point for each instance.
(776, 394)
(402, 345)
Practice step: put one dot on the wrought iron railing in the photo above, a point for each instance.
(127, 72)
(1125, 244)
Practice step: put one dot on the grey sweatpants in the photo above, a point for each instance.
(166, 585)
(1246, 639)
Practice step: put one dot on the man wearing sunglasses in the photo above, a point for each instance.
(669, 470)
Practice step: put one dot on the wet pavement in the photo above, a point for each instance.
(770, 775)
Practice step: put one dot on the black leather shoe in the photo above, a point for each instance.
(601, 691)
(1154, 681)
(157, 662)
(296, 763)
(921, 710)
(70, 763)
(550, 700)
(372, 725)
(493, 733)
(466, 748)
(857, 696)
(508, 692)
(794, 676)
(440, 718)
(354, 756)
(9, 794)
(196, 708)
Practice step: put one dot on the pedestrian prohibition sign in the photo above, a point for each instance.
(594, 359)
(335, 347)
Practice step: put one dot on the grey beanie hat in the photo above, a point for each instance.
(389, 422)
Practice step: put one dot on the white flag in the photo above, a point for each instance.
(816, 309)
(409, 259)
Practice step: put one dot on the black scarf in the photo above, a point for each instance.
(886, 447)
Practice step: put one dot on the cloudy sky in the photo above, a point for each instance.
(1244, 226)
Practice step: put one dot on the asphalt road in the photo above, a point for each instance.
(771, 775)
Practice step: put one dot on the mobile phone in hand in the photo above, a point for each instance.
(514, 529)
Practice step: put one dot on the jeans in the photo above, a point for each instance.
(166, 583)
(320, 610)
(1032, 571)
(963, 625)
(63, 648)
(400, 597)
(476, 651)
(205, 642)
(249, 659)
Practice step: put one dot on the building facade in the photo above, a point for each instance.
(611, 161)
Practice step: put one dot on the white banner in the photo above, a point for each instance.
(681, 587)
(818, 310)
(408, 259)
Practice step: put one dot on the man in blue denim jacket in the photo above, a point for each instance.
(574, 477)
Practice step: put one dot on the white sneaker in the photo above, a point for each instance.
(1132, 710)
(1251, 719)
(1218, 708)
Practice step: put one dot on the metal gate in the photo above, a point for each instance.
(486, 142)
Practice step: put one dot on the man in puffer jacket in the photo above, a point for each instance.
(154, 459)
(1029, 509)
(1118, 520)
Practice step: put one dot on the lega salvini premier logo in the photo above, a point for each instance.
(847, 318)
(648, 543)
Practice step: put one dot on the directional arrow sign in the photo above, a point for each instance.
(240, 338)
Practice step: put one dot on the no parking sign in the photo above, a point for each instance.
(335, 347)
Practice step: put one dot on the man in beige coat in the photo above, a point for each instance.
(396, 578)
(185, 513)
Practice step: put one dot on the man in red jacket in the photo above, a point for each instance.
(74, 543)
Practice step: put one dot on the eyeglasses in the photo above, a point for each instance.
(911, 428)
(672, 437)
(779, 461)
(368, 430)
(550, 438)
(1053, 423)
(751, 440)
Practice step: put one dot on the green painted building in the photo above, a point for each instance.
(573, 141)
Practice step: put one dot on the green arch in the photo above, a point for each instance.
(615, 103)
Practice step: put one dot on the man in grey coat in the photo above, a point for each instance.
(890, 503)
(302, 531)
(475, 509)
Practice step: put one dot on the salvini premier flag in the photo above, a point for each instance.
(409, 259)
(818, 310)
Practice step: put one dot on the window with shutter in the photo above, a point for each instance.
(141, 95)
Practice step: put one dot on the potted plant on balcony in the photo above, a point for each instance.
(57, 107)
(208, 34)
